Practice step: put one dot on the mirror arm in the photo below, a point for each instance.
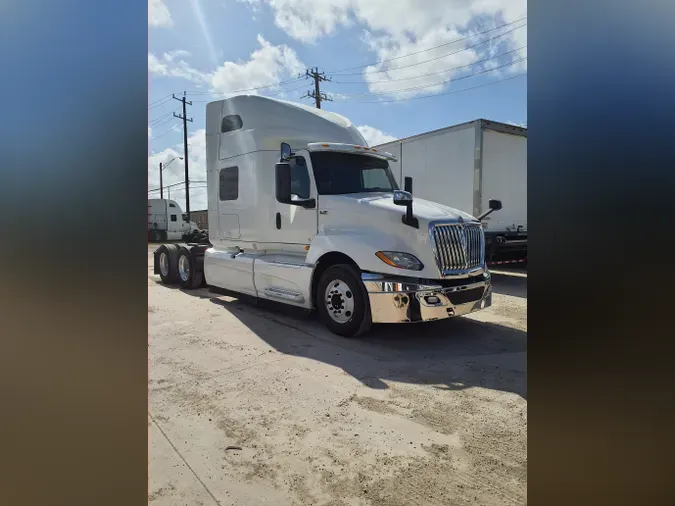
(408, 217)
(480, 218)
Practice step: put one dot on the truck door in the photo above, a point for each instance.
(295, 224)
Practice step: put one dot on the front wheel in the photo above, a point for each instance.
(342, 301)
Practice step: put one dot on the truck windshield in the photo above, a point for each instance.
(340, 173)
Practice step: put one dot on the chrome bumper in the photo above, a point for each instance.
(400, 300)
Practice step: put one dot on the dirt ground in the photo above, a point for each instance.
(255, 405)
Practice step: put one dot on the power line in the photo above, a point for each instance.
(167, 186)
(435, 94)
(172, 129)
(159, 118)
(334, 72)
(199, 92)
(179, 183)
(266, 95)
(390, 92)
(433, 59)
(164, 121)
(191, 189)
(285, 91)
(159, 99)
(431, 73)
(160, 102)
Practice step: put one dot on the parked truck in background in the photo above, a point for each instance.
(166, 221)
(462, 166)
(303, 212)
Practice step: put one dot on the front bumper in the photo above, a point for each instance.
(406, 300)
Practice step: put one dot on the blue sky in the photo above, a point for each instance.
(402, 50)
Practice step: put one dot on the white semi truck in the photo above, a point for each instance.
(166, 221)
(463, 166)
(302, 211)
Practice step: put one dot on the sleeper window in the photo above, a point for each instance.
(229, 183)
(174, 217)
(231, 123)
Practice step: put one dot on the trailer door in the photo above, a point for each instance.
(441, 165)
(504, 177)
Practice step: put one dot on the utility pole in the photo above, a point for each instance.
(185, 143)
(317, 94)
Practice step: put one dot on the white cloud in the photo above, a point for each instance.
(169, 65)
(175, 172)
(374, 136)
(395, 29)
(159, 15)
(266, 65)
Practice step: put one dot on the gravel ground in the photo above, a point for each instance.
(250, 404)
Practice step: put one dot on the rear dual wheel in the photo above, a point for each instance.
(188, 275)
(167, 258)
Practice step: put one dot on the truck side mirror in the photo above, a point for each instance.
(283, 182)
(283, 187)
(494, 205)
(286, 152)
(405, 198)
(402, 198)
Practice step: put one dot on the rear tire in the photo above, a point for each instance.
(167, 258)
(342, 302)
(188, 275)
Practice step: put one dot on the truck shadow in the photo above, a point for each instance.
(508, 284)
(452, 354)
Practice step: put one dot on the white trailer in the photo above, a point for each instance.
(166, 221)
(465, 165)
(303, 212)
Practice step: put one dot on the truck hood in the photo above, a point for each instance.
(360, 224)
(424, 210)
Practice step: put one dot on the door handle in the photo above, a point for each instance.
(278, 221)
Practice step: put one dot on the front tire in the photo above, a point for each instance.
(342, 301)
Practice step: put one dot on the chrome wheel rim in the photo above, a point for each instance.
(184, 268)
(164, 264)
(339, 301)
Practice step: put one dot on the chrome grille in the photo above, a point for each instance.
(458, 246)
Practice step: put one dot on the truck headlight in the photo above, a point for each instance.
(400, 260)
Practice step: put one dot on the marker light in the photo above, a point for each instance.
(349, 148)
